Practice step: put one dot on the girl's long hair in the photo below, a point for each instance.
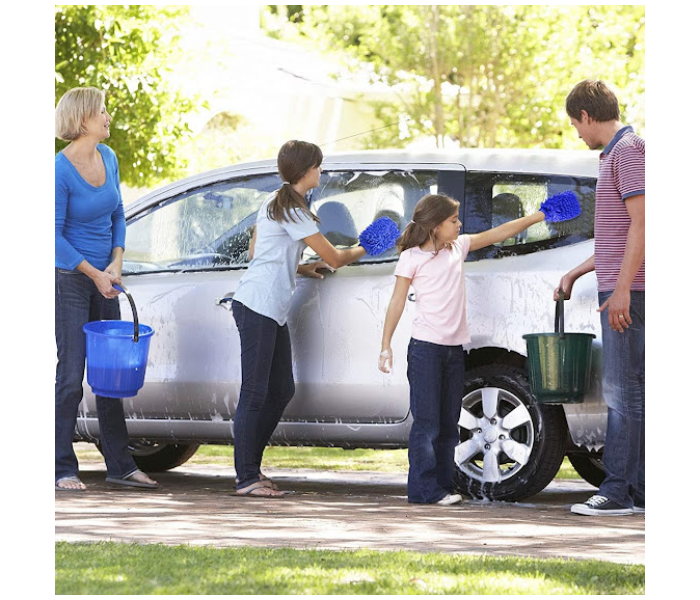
(294, 160)
(430, 211)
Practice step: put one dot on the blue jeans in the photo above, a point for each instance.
(436, 379)
(623, 391)
(267, 386)
(78, 302)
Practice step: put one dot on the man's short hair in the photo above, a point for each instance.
(596, 98)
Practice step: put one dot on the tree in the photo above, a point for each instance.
(129, 51)
(479, 75)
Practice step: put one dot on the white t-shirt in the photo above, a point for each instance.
(441, 297)
(269, 283)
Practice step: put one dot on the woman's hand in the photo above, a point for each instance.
(104, 281)
(312, 269)
(115, 269)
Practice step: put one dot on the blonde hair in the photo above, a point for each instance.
(74, 107)
(430, 211)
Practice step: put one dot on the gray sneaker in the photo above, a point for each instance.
(600, 505)
(449, 500)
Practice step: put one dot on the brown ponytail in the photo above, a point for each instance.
(294, 160)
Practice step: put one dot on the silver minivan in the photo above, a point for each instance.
(186, 249)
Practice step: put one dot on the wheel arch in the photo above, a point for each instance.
(491, 355)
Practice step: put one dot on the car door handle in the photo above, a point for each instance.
(224, 302)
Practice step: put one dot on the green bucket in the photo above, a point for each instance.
(559, 363)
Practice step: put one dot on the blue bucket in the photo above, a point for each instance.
(116, 354)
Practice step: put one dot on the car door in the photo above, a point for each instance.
(184, 249)
(187, 250)
(336, 323)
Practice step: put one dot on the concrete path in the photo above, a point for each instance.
(339, 510)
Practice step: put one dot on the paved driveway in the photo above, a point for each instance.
(346, 510)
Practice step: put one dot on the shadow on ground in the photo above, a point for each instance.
(195, 505)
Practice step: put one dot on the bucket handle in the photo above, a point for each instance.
(121, 288)
(559, 315)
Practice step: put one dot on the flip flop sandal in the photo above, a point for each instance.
(259, 490)
(74, 478)
(266, 480)
(129, 481)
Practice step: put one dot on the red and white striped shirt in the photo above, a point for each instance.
(621, 176)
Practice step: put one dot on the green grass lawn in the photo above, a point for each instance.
(109, 568)
(360, 459)
(298, 457)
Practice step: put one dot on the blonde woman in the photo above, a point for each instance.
(90, 232)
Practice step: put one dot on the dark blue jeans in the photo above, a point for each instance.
(77, 303)
(436, 379)
(267, 386)
(623, 391)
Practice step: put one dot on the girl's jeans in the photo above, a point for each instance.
(77, 303)
(436, 379)
(623, 391)
(267, 386)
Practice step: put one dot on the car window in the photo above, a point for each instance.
(492, 199)
(208, 227)
(347, 201)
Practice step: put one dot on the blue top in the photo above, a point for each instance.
(89, 220)
(267, 287)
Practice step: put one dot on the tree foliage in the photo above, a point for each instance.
(129, 51)
(486, 75)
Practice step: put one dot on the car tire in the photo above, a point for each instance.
(153, 457)
(510, 447)
(588, 466)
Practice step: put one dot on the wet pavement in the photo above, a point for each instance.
(195, 505)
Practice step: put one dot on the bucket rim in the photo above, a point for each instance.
(144, 330)
(552, 334)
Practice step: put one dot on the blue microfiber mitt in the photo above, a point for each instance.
(379, 236)
(561, 207)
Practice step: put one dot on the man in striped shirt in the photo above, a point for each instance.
(618, 261)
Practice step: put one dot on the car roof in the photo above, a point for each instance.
(516, 160)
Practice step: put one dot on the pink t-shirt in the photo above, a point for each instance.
(441, 298)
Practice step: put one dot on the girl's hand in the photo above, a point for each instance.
(386, 361)
(312, 269)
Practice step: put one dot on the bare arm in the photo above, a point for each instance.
(335, 257)
(503, 232)
(251, 247)
(393, 315)
(567, 282)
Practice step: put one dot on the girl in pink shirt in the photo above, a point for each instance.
(432, 255)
